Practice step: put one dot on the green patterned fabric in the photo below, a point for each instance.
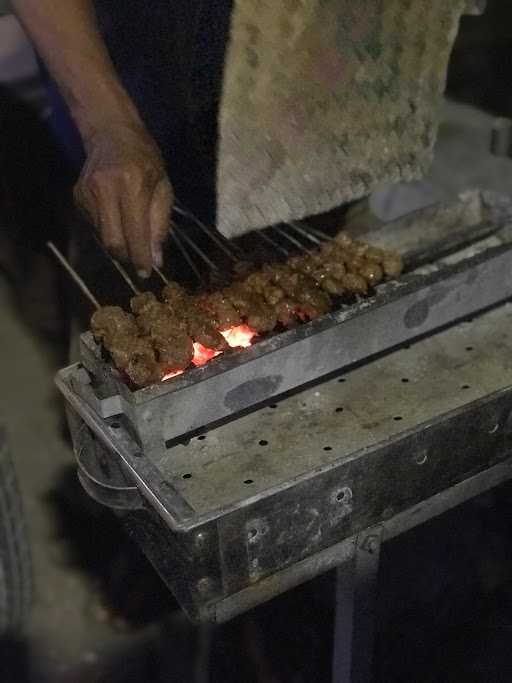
(326, 99)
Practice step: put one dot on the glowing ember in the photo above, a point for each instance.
(240, 336)
(202, 354)
(170, 375)
(237, 337)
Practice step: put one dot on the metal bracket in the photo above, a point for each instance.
(354, 627)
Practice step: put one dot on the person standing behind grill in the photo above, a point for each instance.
(142, 96)
(322, 101)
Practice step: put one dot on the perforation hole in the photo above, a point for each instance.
(398, 418)
(339, 410)
(187, 476)
(249, 481)
(327, 448)
(263, 442)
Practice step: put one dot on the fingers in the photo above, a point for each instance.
(125, 192)
(135, 203)
(160, 216)
(109, 222)
(132, 215)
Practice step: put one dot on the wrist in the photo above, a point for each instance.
(107, 110)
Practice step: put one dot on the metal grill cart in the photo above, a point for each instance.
(307, 451)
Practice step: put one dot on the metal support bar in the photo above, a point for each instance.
(354, 626)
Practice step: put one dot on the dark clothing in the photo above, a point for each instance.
(170, 57)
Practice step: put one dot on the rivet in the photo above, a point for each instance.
(421, 458)
(204, 586)
(201, 539)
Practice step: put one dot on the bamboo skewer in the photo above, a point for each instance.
(305, 233)
(292, 240)
(174, 235)
(161, 275)
(122, 272)
(73, 274)
(197, 250)
(210, 232)
(270, 241)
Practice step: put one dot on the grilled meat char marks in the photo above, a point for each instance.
(159, 337)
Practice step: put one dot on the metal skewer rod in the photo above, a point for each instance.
(198, 251)
(291, 239)
(161, 275)
(210, 232)
(304, 233)
(74, 275)
(192, 265)
(320, 234)
(122, 272)
(268, 239)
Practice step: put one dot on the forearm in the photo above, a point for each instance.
(66, 36)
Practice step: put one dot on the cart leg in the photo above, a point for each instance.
(356, 593)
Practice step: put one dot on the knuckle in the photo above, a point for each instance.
(98, 178)
(132, 174)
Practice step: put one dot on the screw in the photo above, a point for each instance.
(370, 544)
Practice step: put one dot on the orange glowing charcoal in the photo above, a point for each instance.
(170, 375)
(240, 336)
(237, 337)
(202, 355)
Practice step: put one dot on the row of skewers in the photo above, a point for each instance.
(161, 338)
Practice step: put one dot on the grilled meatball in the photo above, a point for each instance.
(222, 310)
(111, 321)
(273, 295)
(392, 265)
(205, 333)
(143, 372)
(136, 358)
(262, 317)
(343, 240)
(313, 302)
(372, 272)
(286, 311)
(174, 353)
(144, 302)
(173, 294)
(375, 254)
(305, 263)
(332, 286)
(256, 282)
(355, 283)
(151, 316)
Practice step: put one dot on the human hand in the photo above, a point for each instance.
(125, 192)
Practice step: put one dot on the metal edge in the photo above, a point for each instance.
(337, 555)
(189, 523)
(387, 294)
